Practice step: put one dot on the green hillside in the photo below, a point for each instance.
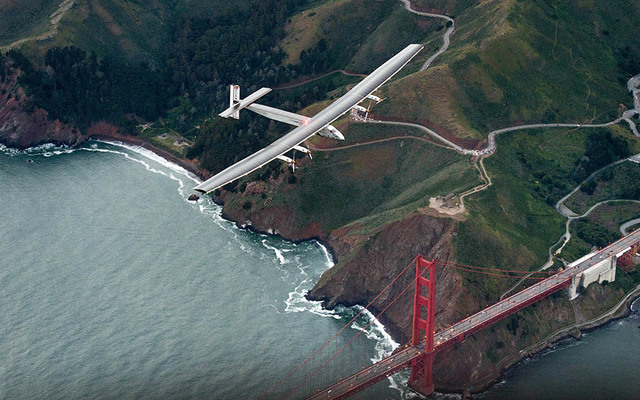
(517, 61)
(371, 184)
(134, 29)
(531, 171)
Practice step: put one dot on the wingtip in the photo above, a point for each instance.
(200, 190)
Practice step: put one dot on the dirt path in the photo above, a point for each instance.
(54, 19)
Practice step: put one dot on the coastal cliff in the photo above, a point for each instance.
(22, 125)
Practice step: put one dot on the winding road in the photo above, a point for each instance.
(447, 34)
(625, 227)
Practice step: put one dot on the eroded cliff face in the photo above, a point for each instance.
(22, 129)
(369, 260)
(263, 214)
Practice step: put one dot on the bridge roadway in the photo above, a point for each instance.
(456, 333)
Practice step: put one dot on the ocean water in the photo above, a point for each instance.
(114, 286)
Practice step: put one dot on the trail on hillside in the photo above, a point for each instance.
(370, 142)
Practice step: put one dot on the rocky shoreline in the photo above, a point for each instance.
(189, 165)
(574, 332)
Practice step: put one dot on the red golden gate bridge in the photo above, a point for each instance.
(334, 372)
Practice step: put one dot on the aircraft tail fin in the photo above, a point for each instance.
(235, 104)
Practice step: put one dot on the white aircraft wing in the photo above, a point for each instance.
(294, 138)
(279, 115)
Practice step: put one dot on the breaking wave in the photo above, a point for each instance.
(46, 150)
(277, 251)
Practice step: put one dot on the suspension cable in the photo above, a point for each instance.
(450, 263)
(356, 336)
(340, 331)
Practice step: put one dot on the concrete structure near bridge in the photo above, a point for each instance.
(602, 271)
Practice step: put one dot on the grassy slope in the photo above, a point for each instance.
(360, 34)
(347, 22)
(398, 30)
(514, 217)
(134, 29)
(21, 19)
(112, 27)
(375, 184)
(516, 61)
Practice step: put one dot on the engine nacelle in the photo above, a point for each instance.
(374, 98)
(331, 132)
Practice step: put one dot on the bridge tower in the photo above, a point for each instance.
(423, 314)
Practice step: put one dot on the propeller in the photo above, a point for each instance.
(293, 162)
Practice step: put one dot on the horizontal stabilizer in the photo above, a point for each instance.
(237, 106)
(331, 132)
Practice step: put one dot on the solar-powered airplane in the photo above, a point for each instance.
(306, 126)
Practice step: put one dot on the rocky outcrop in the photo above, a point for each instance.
(22, 129)
(368, 263)
(253, 209)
